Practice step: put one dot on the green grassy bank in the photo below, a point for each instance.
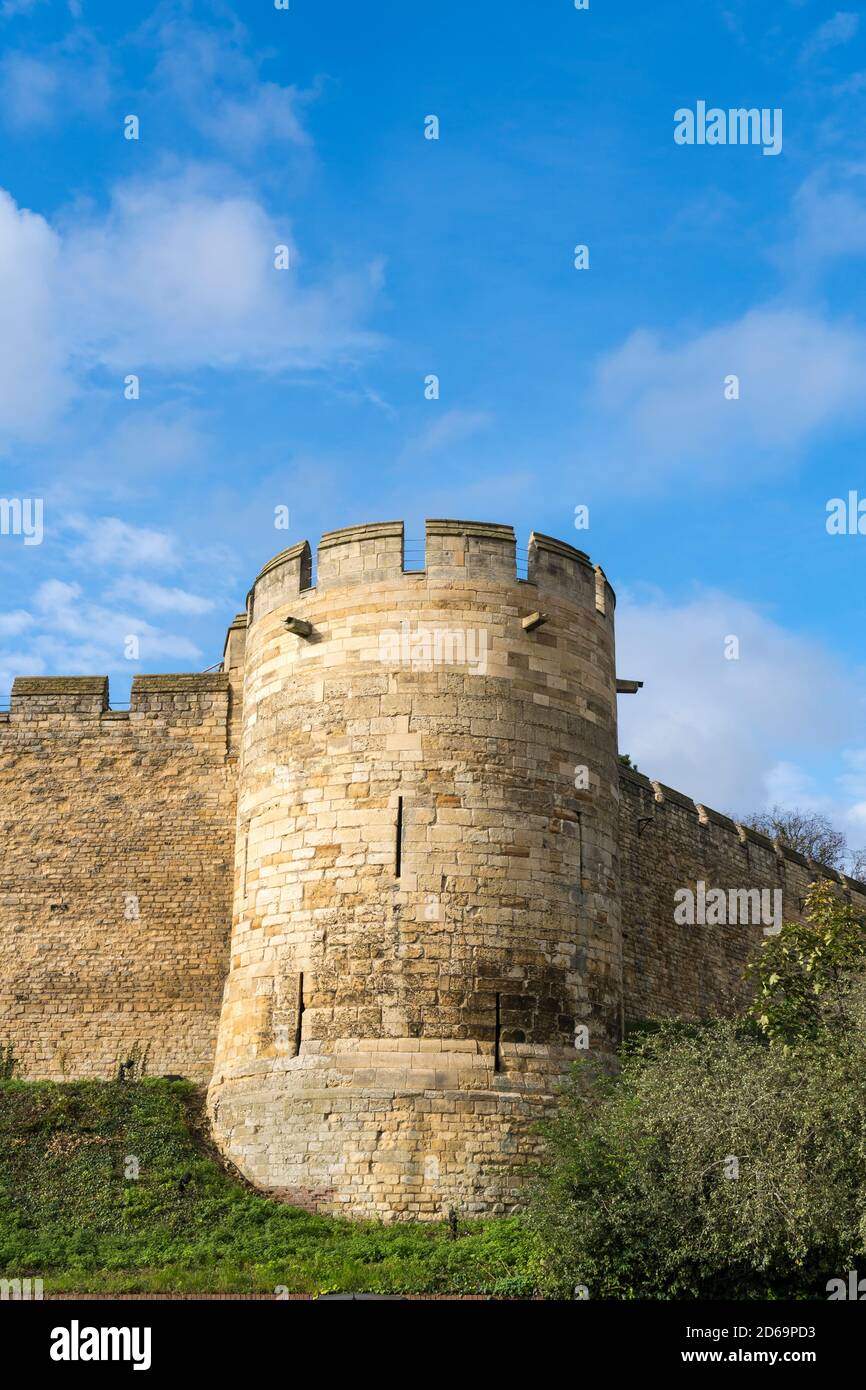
(71, 1216)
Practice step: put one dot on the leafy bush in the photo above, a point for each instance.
(714, 1166)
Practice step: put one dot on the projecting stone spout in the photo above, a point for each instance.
(426, 916)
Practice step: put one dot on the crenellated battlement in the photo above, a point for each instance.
(753, 845)
(668, 842)
(456, 553)
(182, 697)
(33, 696)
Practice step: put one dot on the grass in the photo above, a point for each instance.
(70, 1216)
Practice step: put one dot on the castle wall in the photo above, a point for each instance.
(403, 794)
(115, 878)
(668, 842)
(426, 908)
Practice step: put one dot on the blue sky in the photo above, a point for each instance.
(559, 387)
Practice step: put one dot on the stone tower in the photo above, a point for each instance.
(426, 912)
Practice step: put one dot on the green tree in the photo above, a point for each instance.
(810, 833)
(796, 968)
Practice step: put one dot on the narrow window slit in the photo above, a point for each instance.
(398, 854)
(497, 1037)
(299, 1026)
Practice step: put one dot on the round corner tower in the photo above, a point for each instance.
(426, 915)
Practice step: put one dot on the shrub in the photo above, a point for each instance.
(716, 1165)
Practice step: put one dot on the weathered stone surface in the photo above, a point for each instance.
(667, 842)
(115, 879)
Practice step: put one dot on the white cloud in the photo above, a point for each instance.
(156, 598)
(108, 540)
(181, 275)
(269, 115)
(68, 634)
(730, 733)
(18, 620)
(851, 85)
(852, 793)
(842, 799)
(28, 90)
(448, 428)
(178, 274)
(662, 404)
(34, 384)
(829, 211)
(54, 593)
(61, 81)
(208, 71)
(788, 784)
(840, 29)
(65, 617)
(853, 780)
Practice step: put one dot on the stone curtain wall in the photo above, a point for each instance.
(118, 835)
(668, 842)
(393, 1025)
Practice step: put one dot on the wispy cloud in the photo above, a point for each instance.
(14, 622)
(68, 633)
(446, 429)
(213, 76)
(10, 8)
(182, 274)
(661, 402)
(828, 219)
(55, 83)
(62, 612)
(110, 541)
(156, 598)
(840, 29)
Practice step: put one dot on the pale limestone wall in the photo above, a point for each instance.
(115, 878)
(387, 1040)
(668, 842)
